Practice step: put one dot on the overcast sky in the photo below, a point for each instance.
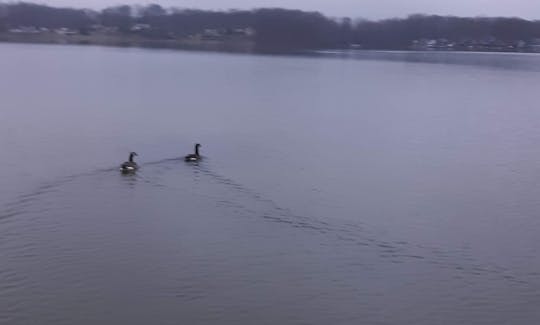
(373, 9)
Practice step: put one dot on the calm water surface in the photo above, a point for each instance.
(378, 188)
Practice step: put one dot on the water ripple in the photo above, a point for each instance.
(232, 195)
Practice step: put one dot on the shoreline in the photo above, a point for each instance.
(234, 46)
(240, 46)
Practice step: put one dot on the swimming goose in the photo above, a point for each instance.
(129, 166)
(194, 156)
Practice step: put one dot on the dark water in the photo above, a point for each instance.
(334, 190)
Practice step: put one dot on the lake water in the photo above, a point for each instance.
(341, 188)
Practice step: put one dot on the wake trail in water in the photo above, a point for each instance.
(23, 202)
(358, 234)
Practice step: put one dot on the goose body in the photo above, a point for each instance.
(130, 165)
(194, 156)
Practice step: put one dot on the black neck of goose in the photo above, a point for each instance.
(131, 157)
(197, 151)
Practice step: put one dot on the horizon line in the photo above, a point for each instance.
(356, 19)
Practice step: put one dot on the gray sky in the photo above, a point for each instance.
(373, 9)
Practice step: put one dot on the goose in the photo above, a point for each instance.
(129, 166)
(194, 156)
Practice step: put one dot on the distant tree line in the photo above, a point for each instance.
(399, 33)
(27, 14)
(275, 29)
